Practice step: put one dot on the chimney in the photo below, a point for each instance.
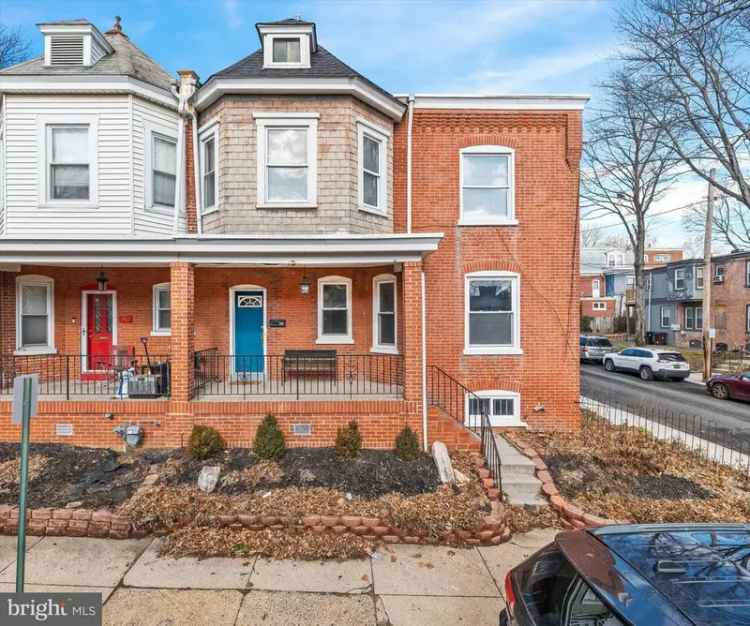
(116, 28)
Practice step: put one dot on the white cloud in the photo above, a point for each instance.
(232, 10)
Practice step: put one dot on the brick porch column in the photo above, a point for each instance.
(182, 287)
(412, 312)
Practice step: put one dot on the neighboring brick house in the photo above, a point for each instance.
(730, 293)
(290, 238)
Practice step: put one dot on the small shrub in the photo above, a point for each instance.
(205, 442)
(348, 441)
(407, 445)
(269, 440)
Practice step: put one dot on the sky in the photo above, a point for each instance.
(406, 46)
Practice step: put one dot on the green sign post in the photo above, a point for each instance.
(25, 394)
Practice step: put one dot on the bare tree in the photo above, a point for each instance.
(590, 236)
(731, 222)
(627, 168)
(14, 48)
(690, 60)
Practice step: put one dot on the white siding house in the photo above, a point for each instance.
(82, 144)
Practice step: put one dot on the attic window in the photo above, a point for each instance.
(66, 50)
(286, 50)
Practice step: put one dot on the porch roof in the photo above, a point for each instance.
(237, 250)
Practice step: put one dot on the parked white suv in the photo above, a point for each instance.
(648, 363)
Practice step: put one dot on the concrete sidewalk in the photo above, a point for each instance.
(402, 584)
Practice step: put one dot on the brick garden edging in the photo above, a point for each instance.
(570, 515)
(79, 522)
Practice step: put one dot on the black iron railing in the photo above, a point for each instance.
(297, 376)
(469, 410)
(72, 376)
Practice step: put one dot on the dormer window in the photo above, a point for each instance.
(286, 50)
(73, 43)
(287, 43)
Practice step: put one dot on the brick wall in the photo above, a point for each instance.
(338, 201)
(543, 249)
(730, 301)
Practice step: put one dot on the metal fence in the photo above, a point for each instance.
(469, 410)
(716, 443)
(296, 376)
(72, 376)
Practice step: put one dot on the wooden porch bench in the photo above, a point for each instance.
(314, 362)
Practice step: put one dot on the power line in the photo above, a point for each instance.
(620, 224)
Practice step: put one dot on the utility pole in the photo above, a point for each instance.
(707, 279)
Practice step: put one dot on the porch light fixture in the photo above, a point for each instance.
(304, 286)
(102, 281)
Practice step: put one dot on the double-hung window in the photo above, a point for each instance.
(486, 180)
(747, 273)
(69, 160)
(666, 317)
(373, 168)
(208, 143)
(163, 170)
(384, 313)
(287, 160)
(334, 310)
(698, 277)
(286, 50)
(162, 310)
(747, 318)
(679, 279)
(492, 324)
(34, 314)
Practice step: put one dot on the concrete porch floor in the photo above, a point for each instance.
(400, 585)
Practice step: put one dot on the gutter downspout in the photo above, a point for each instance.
(196, 174)
(424, 363)
(409, 124)
(180, 157)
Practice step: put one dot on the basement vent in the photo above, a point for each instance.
(66, 50)
(302, 429)
(64, 430)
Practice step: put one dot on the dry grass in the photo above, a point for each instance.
(622, 473)
(10, 470)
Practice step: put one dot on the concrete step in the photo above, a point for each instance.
(523, 497)
(520, 484)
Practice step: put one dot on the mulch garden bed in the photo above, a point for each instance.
(60, 475)
(623, 473)
(372, 474)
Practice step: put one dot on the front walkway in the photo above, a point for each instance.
(400, 585)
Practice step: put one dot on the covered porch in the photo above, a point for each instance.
(202, 319)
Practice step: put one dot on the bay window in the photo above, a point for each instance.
(492, 324)
(373, 168)
(209, 141)
(287, 160)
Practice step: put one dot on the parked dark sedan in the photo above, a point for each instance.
(730, 386)
(641, 575)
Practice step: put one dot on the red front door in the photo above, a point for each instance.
(99, 324)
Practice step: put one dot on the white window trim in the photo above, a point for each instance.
(510, 219)
(40, 281)
(515, 347)
(293, 120)
(335, 339)
(661, 314)
(695, 278)
(498, 394)
(689, 321)
(377, 135)
(679, 271)
(747, 273)
(304, 50)
(376, 282)
(45, 151)
(205, 135)
(167, 135)
(599, 306)
(155, 330)
(747, 318)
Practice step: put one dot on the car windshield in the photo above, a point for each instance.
(704, 572)
(601, 342)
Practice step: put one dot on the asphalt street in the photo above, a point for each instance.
(684, 404)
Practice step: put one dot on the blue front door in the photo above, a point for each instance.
(248, 332)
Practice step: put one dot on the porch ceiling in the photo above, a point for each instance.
(217, 250)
